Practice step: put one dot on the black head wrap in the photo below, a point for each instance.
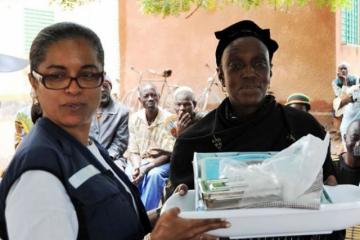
(240, 29)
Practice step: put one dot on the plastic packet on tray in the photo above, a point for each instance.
(289, 178)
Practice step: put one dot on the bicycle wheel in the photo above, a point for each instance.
(210, 98)
(167, 96)
(203, 101)
(130, 100)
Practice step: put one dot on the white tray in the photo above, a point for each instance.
(267, 222)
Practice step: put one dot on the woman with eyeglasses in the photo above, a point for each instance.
(61, 184)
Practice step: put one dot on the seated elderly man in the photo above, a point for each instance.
(150, 147)
(110, 125)
(343, 78)
(347, 103)
(184, 106)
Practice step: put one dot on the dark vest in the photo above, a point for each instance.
(104, 208)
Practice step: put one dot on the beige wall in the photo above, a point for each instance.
(305, 61)
(347, 53)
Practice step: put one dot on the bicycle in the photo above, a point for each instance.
(130, 99)
(213, 93)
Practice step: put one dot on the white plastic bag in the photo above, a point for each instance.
(290, 178)
(298, 166)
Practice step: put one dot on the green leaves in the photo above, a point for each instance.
(175, 7)
(69, 4)
(165, 7)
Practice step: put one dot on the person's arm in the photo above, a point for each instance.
(336, 88)
(133, 149)
(154, 215)
(38, 207)
(345, 99)
(155, 161)
(152, 162)
(135, 161)
(121, 138)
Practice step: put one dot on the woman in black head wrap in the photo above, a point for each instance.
(249, 119)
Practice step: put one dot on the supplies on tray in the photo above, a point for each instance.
(290, 178)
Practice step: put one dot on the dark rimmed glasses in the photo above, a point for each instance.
(86, 80)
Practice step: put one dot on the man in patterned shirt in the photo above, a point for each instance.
(150, 147)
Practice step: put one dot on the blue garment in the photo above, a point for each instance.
(103, 206)
(152, 185)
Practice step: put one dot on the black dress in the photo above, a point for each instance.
(273, 127)
(346, 174)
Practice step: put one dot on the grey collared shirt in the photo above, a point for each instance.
(110, 128)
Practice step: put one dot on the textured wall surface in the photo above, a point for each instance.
(305, 62)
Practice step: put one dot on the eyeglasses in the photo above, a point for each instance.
(60, 81)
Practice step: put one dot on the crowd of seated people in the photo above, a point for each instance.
(154, 147)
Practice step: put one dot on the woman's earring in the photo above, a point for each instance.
(34, 97)
(269, 91)
(222, 81)
(223, 89)
(36, 100)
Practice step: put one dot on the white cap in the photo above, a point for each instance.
(11, 64)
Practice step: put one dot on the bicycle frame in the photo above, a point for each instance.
(204, 96)
(165, 88)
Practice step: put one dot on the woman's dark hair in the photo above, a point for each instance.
(60, 31)
(36, 112)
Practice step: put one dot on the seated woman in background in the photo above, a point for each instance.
(61, 184)
(25, 119)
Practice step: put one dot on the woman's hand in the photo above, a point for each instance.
(331, 181)
(171, 226)
(182, 189)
